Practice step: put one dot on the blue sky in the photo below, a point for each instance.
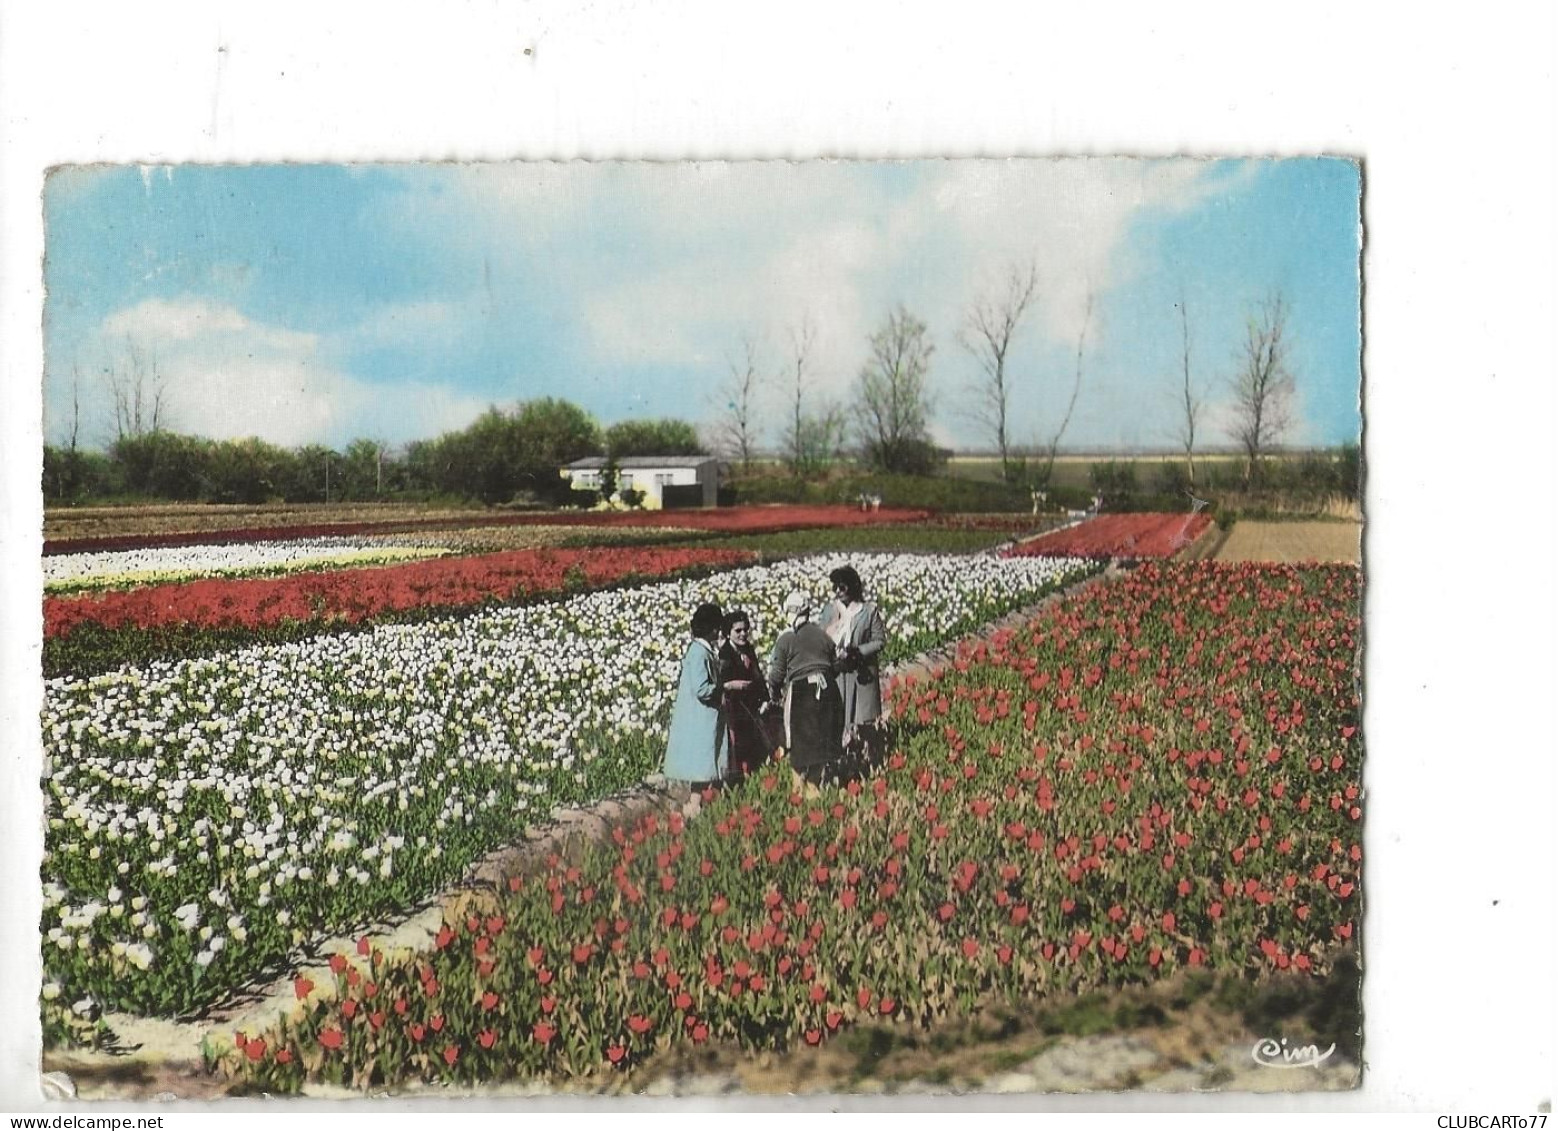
(320, 304)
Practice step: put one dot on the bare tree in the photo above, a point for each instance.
(1189, 403)
(736, 425)
(138, 392)
(1263, 385)
(1076, 388)
(75, 404)
(892, 400)
(988, 330)
(798, 441)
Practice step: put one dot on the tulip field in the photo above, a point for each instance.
(1160, 774)
(67, 572)
(208, 815)
(282, 736)
(355, 596)
(730, 520)
(1132, 535)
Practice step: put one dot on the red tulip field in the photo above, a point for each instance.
(1160, 773)
(358, 595)
(726, 520)
(1136, 536)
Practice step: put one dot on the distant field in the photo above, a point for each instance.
(1290, 542)
(61, 523)
(916, 538)
(488, 539)
(1076, 471)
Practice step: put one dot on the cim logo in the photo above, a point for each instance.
(1270, 1053)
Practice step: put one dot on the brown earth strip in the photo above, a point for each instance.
(1293, 542)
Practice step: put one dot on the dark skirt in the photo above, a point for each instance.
(813, 723)
(747, 733)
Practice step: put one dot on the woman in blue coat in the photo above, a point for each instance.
(695, 749)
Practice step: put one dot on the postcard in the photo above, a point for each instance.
(703, 628)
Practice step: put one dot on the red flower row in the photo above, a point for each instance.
(1119, 536)
(725, 520)
(357, 595)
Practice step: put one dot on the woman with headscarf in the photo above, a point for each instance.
(800, 677)
(746, 691)
(858, 634)
(695, 749)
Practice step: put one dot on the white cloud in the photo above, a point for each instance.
(686, 258)
(699, 256)
(158, 322)
(226, 376)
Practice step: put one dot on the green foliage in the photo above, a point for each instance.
(667, 437)
(813, 442)
(246, 471)
(554, 432)
(500, 455)
(72, 476)
(1173, 477)
(1114, 478)
(164, 465)
(940, 493)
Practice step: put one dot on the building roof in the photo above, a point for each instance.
(643, 462)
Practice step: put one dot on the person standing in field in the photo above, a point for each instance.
(746, 693)
(858, 633)
(695, 750)
(800, 678)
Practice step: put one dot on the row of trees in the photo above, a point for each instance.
(885, 422)
(503, 454)
(891, 404)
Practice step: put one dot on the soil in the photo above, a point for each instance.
(1293, 542)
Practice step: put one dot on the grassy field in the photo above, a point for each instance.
(1076, 470)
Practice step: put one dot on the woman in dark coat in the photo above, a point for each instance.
(800, 677)
(746, 691)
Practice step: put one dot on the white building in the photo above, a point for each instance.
(677, 481)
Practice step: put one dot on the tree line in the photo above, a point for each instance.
(504, 453)
(883, 421)
(888, 411)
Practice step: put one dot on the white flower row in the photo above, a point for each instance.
(187, 798)
(172, 562)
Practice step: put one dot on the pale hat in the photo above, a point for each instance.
(796, 604)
